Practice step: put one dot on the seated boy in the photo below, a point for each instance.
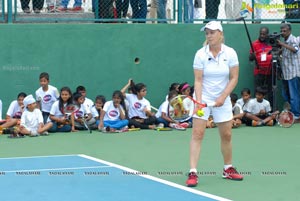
(32, 122)
(13, 115)
(258, 110)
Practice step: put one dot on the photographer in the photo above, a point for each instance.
(263, 69)
(290, 69)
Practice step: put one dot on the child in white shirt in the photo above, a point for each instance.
(113, 116)
(82, 112)
(32, 119)
(258, 110)
(14, 112)
(139, 111)
(46, 95)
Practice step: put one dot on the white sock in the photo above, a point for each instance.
(227, 166)
(193, 170)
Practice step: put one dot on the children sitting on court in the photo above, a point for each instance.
(258, 111)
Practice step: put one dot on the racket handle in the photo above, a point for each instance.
(154, 108)
(212, 104)
(203, 105)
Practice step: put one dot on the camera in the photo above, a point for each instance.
(272, 39)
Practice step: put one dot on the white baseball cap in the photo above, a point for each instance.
(212, 25)
(28, 100)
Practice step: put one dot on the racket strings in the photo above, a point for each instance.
(285, 119)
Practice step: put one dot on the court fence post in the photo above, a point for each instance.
(179, 13)
(9, 11)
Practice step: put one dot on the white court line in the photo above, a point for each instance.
(55, 169)
(38, 156)
(156, 179)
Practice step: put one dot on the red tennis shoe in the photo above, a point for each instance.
(192, 180)
(232, 174)
(184, 125)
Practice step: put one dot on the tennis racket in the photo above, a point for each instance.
(182, 108)
(154, 108)
(285, 119)
(164, 129)
(86, 124)
(71, 109)
(134, 129)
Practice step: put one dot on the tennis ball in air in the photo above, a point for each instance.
(200, 113)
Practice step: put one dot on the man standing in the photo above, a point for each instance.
(211, 9)
(263, 68)
(290, 69)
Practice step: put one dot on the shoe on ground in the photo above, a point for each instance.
(124, 129)
(110, 130)
(33, 134)
(51, 9)
(45, 133)
(61, 9)
(270, 123)
(192, 180)
(232, 174)
(76, 9)
(160, 125)
(27, 10)
(177, 127)
(257, 123)
(16, 136)
(37, 11)
(184, 125)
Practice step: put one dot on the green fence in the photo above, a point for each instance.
(103, 57)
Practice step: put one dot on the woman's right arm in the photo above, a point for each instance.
(198, 78)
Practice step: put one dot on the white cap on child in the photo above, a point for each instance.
(28, 100)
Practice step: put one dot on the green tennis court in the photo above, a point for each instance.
(267, 156)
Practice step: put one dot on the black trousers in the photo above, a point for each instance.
(212, 9)
(136, 122)
(36, 4)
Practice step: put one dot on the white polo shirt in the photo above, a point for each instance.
(136, 106)
(255, 107)
(215, 71)
(111, 112)
(55, 111)
(31, 120)
(47, 98)
(14, 110)
(163, 108)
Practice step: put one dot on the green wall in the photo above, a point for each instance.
(101, 56)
